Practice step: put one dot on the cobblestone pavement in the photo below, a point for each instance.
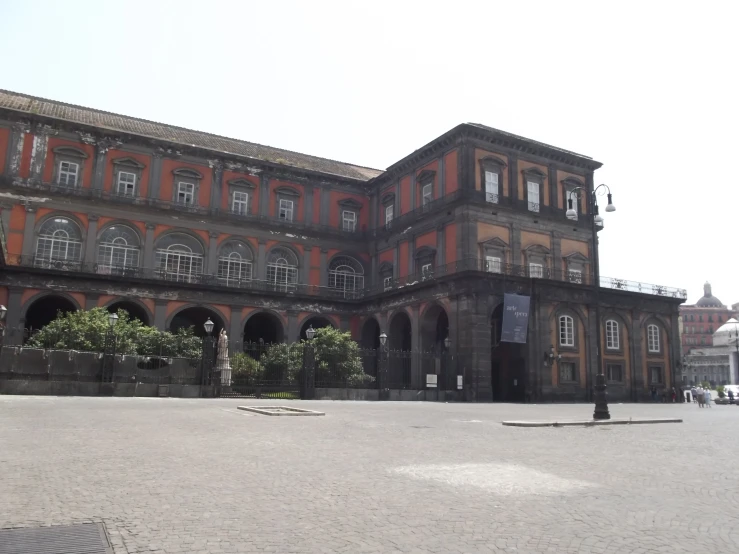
(168, 475)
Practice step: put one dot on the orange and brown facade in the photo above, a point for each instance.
(176, 226)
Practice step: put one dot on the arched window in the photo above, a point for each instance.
(566, 331)
(653, 338)
(612, 339)
(59, 244)
(118, 249)
(234, 263)
(282, 268)
(345, 273)
(179, 257)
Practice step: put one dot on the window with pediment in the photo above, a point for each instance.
(491, 173)
(126, 177)
(69, 163)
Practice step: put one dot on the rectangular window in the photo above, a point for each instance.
(536, 270)
(574, 276)
(492, 264)
(389, 212)
(387, 283)
(566, 331)
(427, 193)
(614, 372)
(286, 209)
(612, 338)
(240, 202)
(68, 172)
(655, 375)
(348, 220)
(653, 338)
(126, 185)
(567, 372)
(185, 193)
(491, 187)
(533, 189)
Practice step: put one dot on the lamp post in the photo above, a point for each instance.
(383, 389)
(309, 366)
(207, 361)
(601, 402)
(109, 349)
(735, 336)
(3, 311)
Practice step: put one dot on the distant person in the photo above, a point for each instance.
(731, 396)
(700, 394)
(694, 393)
(674, 395)
(707, 397)
(681, 395)
(654, 394)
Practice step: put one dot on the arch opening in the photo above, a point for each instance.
(370, 340)
(263, 328)
(44, 310)
(317, 323)
(134, 310)
(195, 317)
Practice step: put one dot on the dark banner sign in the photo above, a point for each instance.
(515, 318)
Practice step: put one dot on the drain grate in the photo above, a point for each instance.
(87, 538)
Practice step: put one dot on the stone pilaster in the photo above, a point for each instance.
(155, 174)
(160, 314)
(91, 240)
(308, 204)
(91, 301)
(442, 176)
(148, 262)
(324, 267)
(292, 327)
(262, 260)
(19, 131)
(212, 268)
(263, 195)
(38, 152)
(29, 233)
(304, 276)
(236, 332)
(216, 188)
(417, 380)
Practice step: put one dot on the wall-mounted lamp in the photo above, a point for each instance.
(550, 357)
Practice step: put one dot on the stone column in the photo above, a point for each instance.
(38, 152)
(442, 176)
(413, 191)
(91, 301)
(636, 338)
(148, 262)
(516, 255)
(212, 268)
(155, 174)
(308, 204)
(292, 327)
(101, 154)
(396, 261)
(412, 255)
(236, 332)
(345, 323)
(29, 235)
(305, 269)
(373, 207)
(91, 239)
(324, 208)
(160, 315)
(216, 186)
(262, 260)
(553, 200)
(474, 346)
(440, 245)
(19, 131)
(418, 381)
(263, 195)
(13, 319)
(324, 267)
(557, 256)
(7, 211)
(513, 177)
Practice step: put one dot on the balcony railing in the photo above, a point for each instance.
(382, 286)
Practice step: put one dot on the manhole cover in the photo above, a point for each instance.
(280, 411)
(88, 538)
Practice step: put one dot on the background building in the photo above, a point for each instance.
(699, 321)
(718, 364)
(177, 226)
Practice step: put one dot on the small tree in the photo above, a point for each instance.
(338, 358)
(245, 369)
(720, 389)
(282, 362)
(86, 330)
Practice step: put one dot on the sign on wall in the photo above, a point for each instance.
(515, 318)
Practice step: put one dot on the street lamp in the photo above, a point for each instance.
(447, 342)
(310, 332)
(309, 366)
(384, 391)
(550, 357)
(112, 319)
(207, 351)
(3, 311)
(208, 325)
(601, 402)
(383, 339)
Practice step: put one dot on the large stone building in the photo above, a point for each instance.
(719, 363)
(178, 225)
(699, 321)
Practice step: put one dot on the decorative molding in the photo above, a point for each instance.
(214, 234)
(244, 183)
(70, 151)
(350, 203)
(93, 217)
(88, 138)
(125, 160)
(187, 172)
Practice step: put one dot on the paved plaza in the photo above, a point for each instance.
(171, 475)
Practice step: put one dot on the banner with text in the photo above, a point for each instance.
(515, 318)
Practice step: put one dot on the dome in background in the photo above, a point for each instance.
(721, 336)
(708, 300)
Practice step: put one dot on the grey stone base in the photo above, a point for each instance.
(74, 388)
(392, 394)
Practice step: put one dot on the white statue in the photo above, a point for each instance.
(222, 363)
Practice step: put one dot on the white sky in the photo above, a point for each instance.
(649, 89)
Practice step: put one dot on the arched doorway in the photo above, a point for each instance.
(44, 310)
(370, 344)
(263, 328)
(134, 310)
(434, 329)
(400, 357)
(196, 317)
(507, 364)
(315, 322)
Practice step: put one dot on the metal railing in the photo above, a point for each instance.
(382, 286)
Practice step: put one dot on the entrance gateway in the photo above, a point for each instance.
(508, 328)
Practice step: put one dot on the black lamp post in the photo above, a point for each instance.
(109, 349)
(382, 387)
(3, 311)
(207, 361)
(601, 402)
(309, 366)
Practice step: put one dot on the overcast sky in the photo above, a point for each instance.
(649, 89)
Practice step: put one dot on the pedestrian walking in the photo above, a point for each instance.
(731, 396)
(694, 393)
(707, 397)
(681, 395)
(654, 393)
(674, 394)
(701, 397)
